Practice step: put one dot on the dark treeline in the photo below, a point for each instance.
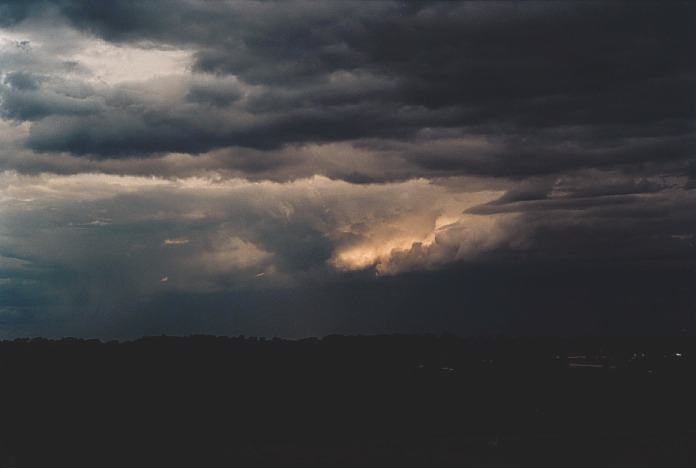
(348, 401)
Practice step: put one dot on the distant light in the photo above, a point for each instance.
(678, 354)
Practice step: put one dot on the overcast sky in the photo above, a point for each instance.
(306, 168)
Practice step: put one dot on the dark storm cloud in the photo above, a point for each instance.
(32, 104)
(214, 93)
(561, 86)
(273, 158)
(22, 81)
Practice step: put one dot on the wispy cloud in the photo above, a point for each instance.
(176, 241)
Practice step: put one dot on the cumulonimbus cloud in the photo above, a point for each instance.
(275, 144)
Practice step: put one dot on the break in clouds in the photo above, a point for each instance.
(155, 153)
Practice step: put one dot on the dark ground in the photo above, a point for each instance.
(349, 401)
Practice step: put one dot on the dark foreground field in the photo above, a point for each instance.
(348, 402)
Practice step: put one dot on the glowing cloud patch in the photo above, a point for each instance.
(429, 238)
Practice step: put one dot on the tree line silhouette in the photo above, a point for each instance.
(348, 401)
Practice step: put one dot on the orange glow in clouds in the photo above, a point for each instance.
(425, 240)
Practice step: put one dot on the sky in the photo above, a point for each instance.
(304, 168)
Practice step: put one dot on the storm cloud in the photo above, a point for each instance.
(200, 150)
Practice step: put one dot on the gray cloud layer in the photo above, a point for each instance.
(552, 86)
(163, 148)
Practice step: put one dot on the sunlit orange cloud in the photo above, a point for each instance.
(439, 235)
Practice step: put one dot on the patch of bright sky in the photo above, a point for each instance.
(110, 64)
(95, 59)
